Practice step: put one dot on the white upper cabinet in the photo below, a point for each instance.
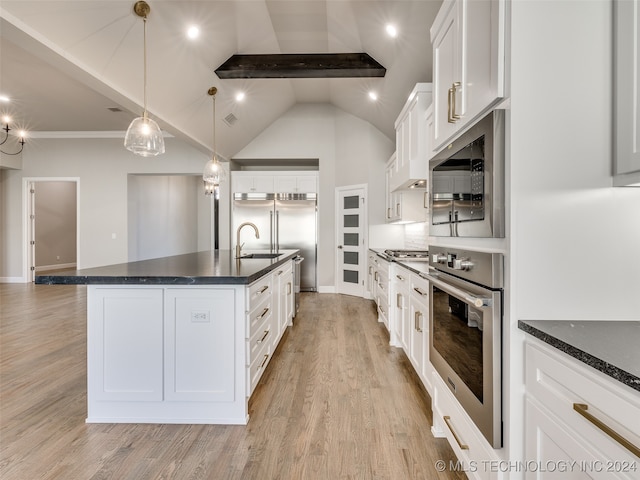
(468, 38)
(627, 103)
(274, 182)
(412, 139)
(296, 183)
(251, 182)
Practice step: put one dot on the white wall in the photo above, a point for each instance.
(163, 215)
(102, 165)
(574, 241)
(350, 151)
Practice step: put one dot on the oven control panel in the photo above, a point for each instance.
(485, 268)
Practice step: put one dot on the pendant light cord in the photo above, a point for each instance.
(214, 126)
(144, 48)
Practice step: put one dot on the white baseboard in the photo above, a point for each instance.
(13, 280)
(327, 289)
(58, 266)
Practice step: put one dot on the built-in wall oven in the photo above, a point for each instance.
(467, 183)
(466, 304)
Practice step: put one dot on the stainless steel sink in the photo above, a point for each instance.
(260, 255)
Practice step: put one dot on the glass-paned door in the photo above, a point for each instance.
(351, 228)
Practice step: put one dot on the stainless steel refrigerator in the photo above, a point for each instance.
(284, 221)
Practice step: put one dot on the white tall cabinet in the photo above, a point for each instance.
(468, 38)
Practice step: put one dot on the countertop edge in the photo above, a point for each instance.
(617, 373)
(162, 280)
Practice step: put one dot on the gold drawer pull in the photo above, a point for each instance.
(289, 288)
(266, 332)
(264, 312)
(420, 291)
(416, 321)
(400, 277)
(263, 289)
(582, 408)
(266, 357)
(447, 420)
(399, 300)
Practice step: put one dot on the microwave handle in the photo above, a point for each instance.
(457, 292)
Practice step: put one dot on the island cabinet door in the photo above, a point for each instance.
(124, 332)
(200, 344)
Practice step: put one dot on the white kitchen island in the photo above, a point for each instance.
(181, 339)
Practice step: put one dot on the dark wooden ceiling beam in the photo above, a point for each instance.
(303, 65)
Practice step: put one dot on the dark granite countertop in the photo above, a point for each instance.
(612, 347)
(211, 267)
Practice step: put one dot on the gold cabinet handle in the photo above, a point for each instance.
(447, 420)
(266, 357)
(398, 300)
(397, 209)
(416, 321)
(289, 289)
(264, 289)
(454, 88)
(582, 409)
(449, 102)
(375, 276)
(264, 312)
(388, 212)
(399, 277)
(370, 269)
(420, 291)
(266, 333)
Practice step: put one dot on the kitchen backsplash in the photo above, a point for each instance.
(416, 236)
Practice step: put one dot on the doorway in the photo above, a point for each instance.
(51, 221)
(351, 240)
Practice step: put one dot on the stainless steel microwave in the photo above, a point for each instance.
(467, 183)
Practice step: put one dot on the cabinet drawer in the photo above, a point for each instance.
(257, 367)
(420, 289)
(260, 313)
(569, 390)
(466, 441)
(258, 290)
(260, 334)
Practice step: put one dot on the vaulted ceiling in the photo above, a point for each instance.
(66, 63)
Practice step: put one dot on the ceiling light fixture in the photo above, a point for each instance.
(373, 96)
(7, 129)
(144, 136)
(392, 31)
(214, 173)
(193, 32)
(240, 96)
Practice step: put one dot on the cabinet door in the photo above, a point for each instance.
(199, 338)
(482, 55)
(307, 184)
(263, 184)
(419, 319)
(242, 183)
(626, 98)
(124, 343)
(286, 183)
(446, 70)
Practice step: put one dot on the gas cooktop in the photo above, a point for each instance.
(417, 255)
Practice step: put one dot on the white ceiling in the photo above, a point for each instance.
(64, 63)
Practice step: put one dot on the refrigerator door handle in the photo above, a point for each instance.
(277, 231)
(271, 230)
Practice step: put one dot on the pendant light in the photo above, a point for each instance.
(213, 173)
(144, 136)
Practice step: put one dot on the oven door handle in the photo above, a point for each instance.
(457, 292)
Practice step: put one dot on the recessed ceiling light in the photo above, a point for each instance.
(392, 31)
(373, 96)
(6, 119)
(4, 98)
(240, 96)
(193, 32)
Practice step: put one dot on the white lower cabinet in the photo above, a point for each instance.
(182, 354)
(419, 336)
(400, 286)
(577, 419)
(475, 456)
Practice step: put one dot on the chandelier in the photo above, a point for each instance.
(213, 173)
(7, 129)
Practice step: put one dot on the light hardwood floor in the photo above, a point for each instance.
(336, 402)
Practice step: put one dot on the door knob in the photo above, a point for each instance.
(340, 247)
